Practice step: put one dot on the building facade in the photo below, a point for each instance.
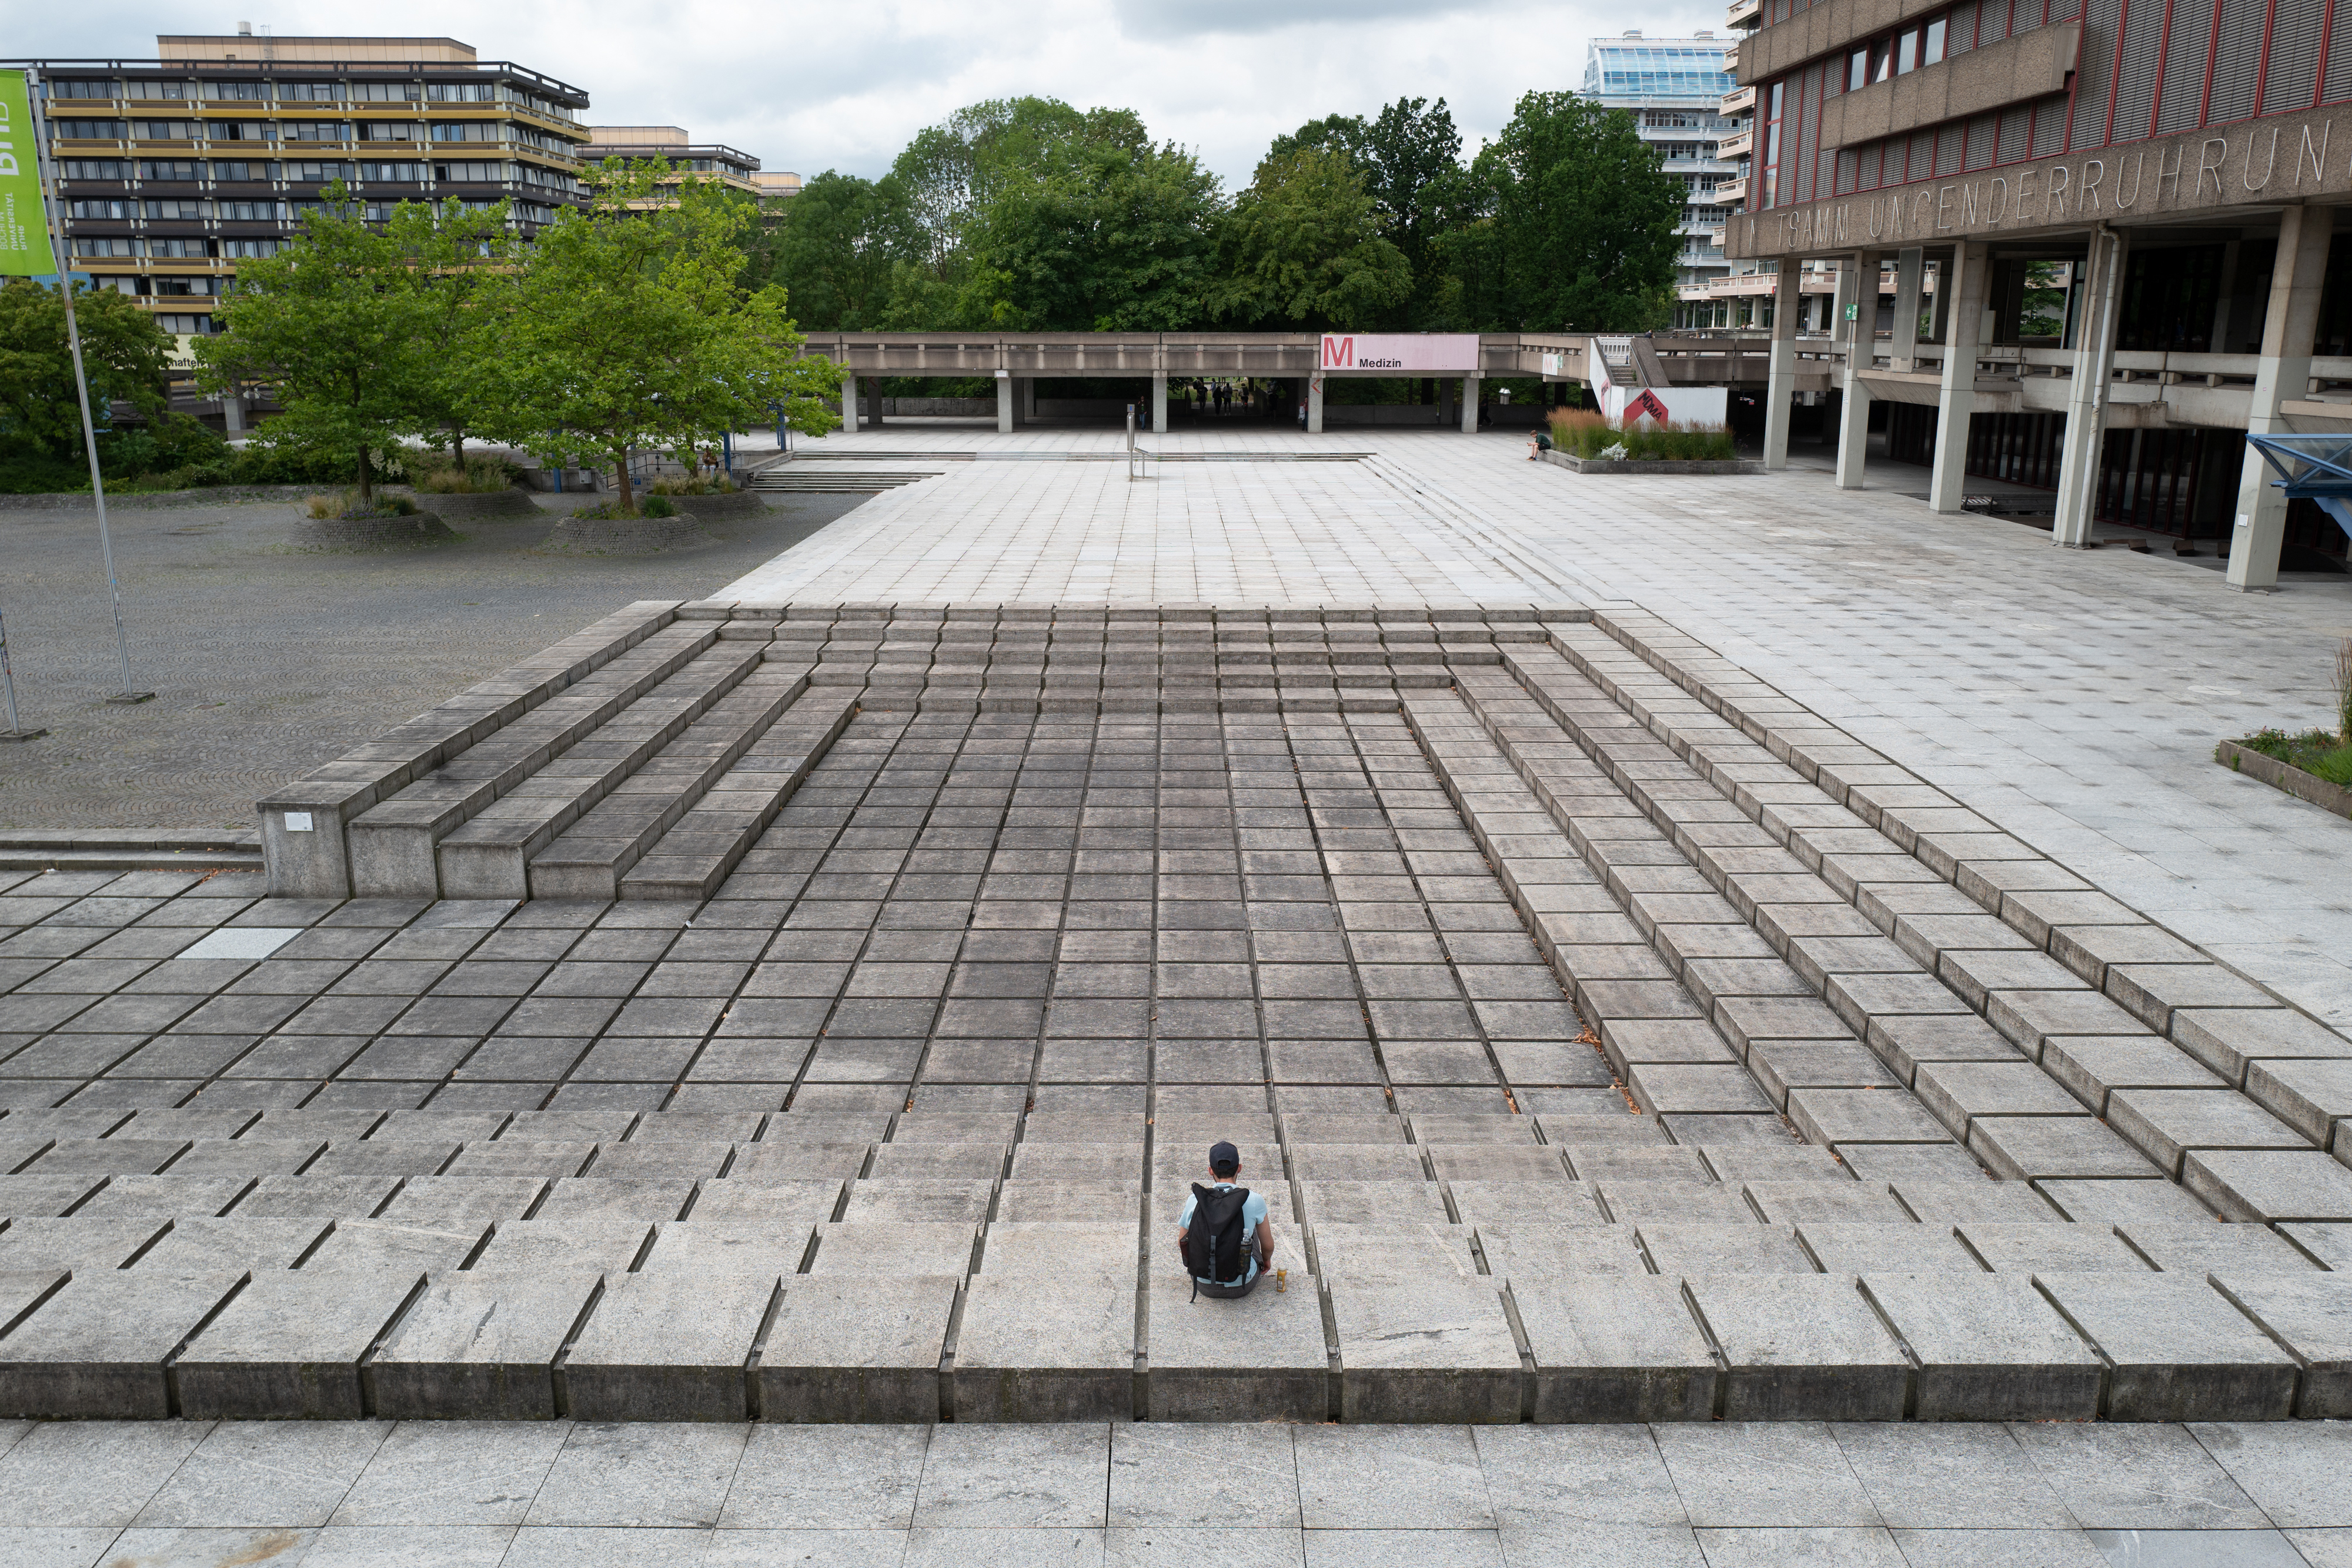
(1674, 88)
(708, 161)
(171, 171)
(2110, 225)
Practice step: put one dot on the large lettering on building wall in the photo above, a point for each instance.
(2263, 161)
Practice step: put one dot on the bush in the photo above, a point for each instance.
(437, 473)
(385, 507)
(658, 506)
(691, 485)
(1586, 433)
(2315, 751)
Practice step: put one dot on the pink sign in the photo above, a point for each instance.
(1406, 353)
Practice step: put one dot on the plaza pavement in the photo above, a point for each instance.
(561, 1495)
(2073, 696)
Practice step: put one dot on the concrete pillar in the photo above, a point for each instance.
(1858, 293)
(1780, 376)
(2282, 375)
(1470, 404)
(849, 404)
(2086, 394)
(233, 411)
(1160, 403)
(1909, 264)
(1005, 403)
(1960, 289)
(1315, 405)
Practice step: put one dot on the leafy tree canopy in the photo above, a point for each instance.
(126, 357)
(1584, 219)
(1304, 248)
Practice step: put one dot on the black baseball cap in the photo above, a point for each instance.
(1223, 1153)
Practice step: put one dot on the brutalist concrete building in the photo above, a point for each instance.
(2110, 225)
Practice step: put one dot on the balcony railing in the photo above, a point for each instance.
(1744, 13)
(1738, 144)
(1739, 101)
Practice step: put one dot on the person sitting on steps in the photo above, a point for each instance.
(1223, 1234)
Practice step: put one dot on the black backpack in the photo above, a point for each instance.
(1215, 1240)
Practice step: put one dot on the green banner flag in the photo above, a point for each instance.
(24, 225)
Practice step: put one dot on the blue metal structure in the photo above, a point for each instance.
(2313, 468)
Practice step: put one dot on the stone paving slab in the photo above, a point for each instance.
(1656, 1071)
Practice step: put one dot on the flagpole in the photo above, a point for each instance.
(81, 381)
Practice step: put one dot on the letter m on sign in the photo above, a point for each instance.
(1650, 405)
(1338, 354)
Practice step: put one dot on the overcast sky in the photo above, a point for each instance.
(843, 85)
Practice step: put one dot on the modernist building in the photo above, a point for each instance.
(1674, 88)
(2125, 209)
(708, 161)
(172, 170)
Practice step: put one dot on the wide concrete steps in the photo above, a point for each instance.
(591, 858)
(130, 849)
(996, 1267)
(834, 478)
(398, 848)
(2203, 1072)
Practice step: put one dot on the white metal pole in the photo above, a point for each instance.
(16, 730)
(81, 382)
(81, 379)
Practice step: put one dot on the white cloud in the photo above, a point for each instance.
(814, 87)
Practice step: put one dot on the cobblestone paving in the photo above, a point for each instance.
(566, 1495)
(265, 662)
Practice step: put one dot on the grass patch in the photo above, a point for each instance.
(1586, 433)
(2315, 751)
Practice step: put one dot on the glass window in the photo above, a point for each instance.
(1906, 52)
(1857, 71)
(1933, 50)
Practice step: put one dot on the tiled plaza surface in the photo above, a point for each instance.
(811, 1005)
(2073, 696)
(562, 1495)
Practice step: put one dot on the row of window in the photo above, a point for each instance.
(178, 248)
(375, 210)
(309, 92)
(1896, 54)
(186, 326)
(298, 130)
(160, 287)
(314, 171)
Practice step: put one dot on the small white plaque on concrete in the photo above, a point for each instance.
(297, 821)
(242, 941)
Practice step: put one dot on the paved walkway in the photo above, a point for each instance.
(371, 1495)
(2073, 696)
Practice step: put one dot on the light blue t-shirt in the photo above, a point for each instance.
(1253, 1215)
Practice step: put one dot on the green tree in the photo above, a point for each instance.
(453, 258)
(628, 326)
(1584, 219)
(127, 358)
(333, 322)
(1117, 241)
(834, 246)
(1303, 249)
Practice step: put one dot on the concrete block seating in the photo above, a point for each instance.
(819, 1014)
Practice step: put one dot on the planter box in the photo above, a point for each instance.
(728, 504)
(1595, 466)
(2284, 776)
(484, 506)
(158, 500)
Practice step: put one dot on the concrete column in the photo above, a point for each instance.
(849, 404)
(2087, 396)
(1909, 264)
(233, 411)
(1859, 294)
(2281, 376)
(1960, 289)
(1005, 403)
(1159, 403)
(1470, 404)
(1028, 399)
(1780, 377)
(1315, 405)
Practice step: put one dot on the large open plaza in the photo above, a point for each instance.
(1764, 1033)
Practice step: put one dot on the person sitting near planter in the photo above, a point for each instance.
(1538, 444)
(1223, 1234)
